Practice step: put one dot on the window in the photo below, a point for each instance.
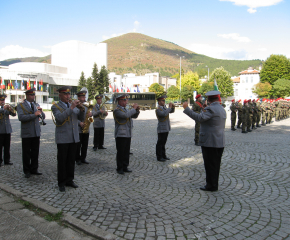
(12, 98)
(236, 92)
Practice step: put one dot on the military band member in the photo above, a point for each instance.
(5, 130)
(245, 117)
(123, 132)
(163, 128)
(28, 114)
(197, 107)
(99, 124)
(82, 145)
(234, 109)
(66, 116)
(212, 138)
(240, 113)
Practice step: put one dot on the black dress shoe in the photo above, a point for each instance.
(9, 163)
(120, 171)
(130, 153)
(238, 127)
(72, 184)
(249, 130)
(233, 129)
(127, 170)
(208, 189)
(161, 160)
(166, 158)
(244, 132)
(36, 173)
(95, 149)
(27, 175)
(61, 188)
(101, 147)
(78, 162)
(85, 162)
(196, 144)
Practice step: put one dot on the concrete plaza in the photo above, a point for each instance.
(162, 200)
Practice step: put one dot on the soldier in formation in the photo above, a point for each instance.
(234, 108)
(197, 107)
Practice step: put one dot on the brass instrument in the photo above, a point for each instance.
(104, 108)
(41, 121)
(173, 108)
(88, 120)
(79, 106)
(12, 108)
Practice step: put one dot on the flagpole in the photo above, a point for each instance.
(16, 100)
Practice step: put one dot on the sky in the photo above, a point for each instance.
(224, 29)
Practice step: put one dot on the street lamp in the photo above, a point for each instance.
(207, 73)
(180, 75)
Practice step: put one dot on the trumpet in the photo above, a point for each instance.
(11, 108)
(173, 108)
(41, 121)
(79, 105)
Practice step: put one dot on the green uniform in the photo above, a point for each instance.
(240, 113)
(233, 108)
(197, 108)
(259, 112)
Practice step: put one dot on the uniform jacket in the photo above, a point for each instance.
(79, 121)
(212, 124)
(162, 114)
(5, 126)
(123, 121)
(66, 120)
(98, 123)
(196, 107)
(30, 126)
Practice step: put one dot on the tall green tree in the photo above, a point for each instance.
(262, 89)
(275, 67)
(103, 81)
(187, 92)
(173, 93)
(206, 87)
(281, 88)
(91, 88)
(82, 82)
(157, 88)
(224, 81)
(189, 79)
(95, 79)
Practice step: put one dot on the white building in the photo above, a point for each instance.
(69, 59)
(244, 84)
(142, 83)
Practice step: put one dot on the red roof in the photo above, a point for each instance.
(236, 80)
(250, 72)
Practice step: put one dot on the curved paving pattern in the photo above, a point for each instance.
(162, 200)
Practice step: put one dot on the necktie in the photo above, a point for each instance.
(32, 106)
(67, 105)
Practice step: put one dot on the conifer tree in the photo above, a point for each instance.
(82, 82)
(95, 79)
(103, 80)
(91, 88)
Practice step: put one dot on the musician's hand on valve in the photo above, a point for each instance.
(102, 111)
(90, 114)
(82, 124)
(74, 104)
(7, 107)
(39, 108)
(185, 105)
(135, 105)
(170, 105)
(37, 113)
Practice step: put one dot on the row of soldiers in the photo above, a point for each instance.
(256, 111)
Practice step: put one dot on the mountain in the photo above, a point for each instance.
(46, 59)
(140, 54)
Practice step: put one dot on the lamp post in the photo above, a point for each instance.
(207, 73)
(180, 76)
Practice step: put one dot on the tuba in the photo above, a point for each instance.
(104, 108)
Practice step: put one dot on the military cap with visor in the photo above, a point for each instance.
(64, 89)
(122, 97)
(82, 93)
(162, 98)
(2, 97)
(30, 91)
(100, 96)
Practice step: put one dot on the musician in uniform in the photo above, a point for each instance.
(5, 130)
(163, 128)
(29, 113)
(82, 145)
(197, 107)
(234, 109)
(99, 124)
(66, 116)
(212, 138)
(123, 131)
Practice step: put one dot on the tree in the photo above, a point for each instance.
(282, 88)
(189, 79)
(262, 89)
(206, 87)
(157, 88)
(95, 80)
(202, 72)
(103, 81)
(224, 81)
(187, 92)
(91, 88)
(275, 67)
(82, 82)
(173, 93)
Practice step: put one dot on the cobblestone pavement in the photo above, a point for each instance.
(162, 200)
(20, 223)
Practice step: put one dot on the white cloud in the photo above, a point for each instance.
(253, 4)
(235, 36)
(16, 51)
(135, 29)
(47, 47)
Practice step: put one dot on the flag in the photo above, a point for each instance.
(35, 84)
(117, 89)
(11, 85)
(128, 90)
(8, 86)
(138, 89)
(28, 85)
(16, 84)
(215, 85)
(114, 88)
(2, 83)
(23, 86)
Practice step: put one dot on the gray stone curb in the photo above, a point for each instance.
(95, 232)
